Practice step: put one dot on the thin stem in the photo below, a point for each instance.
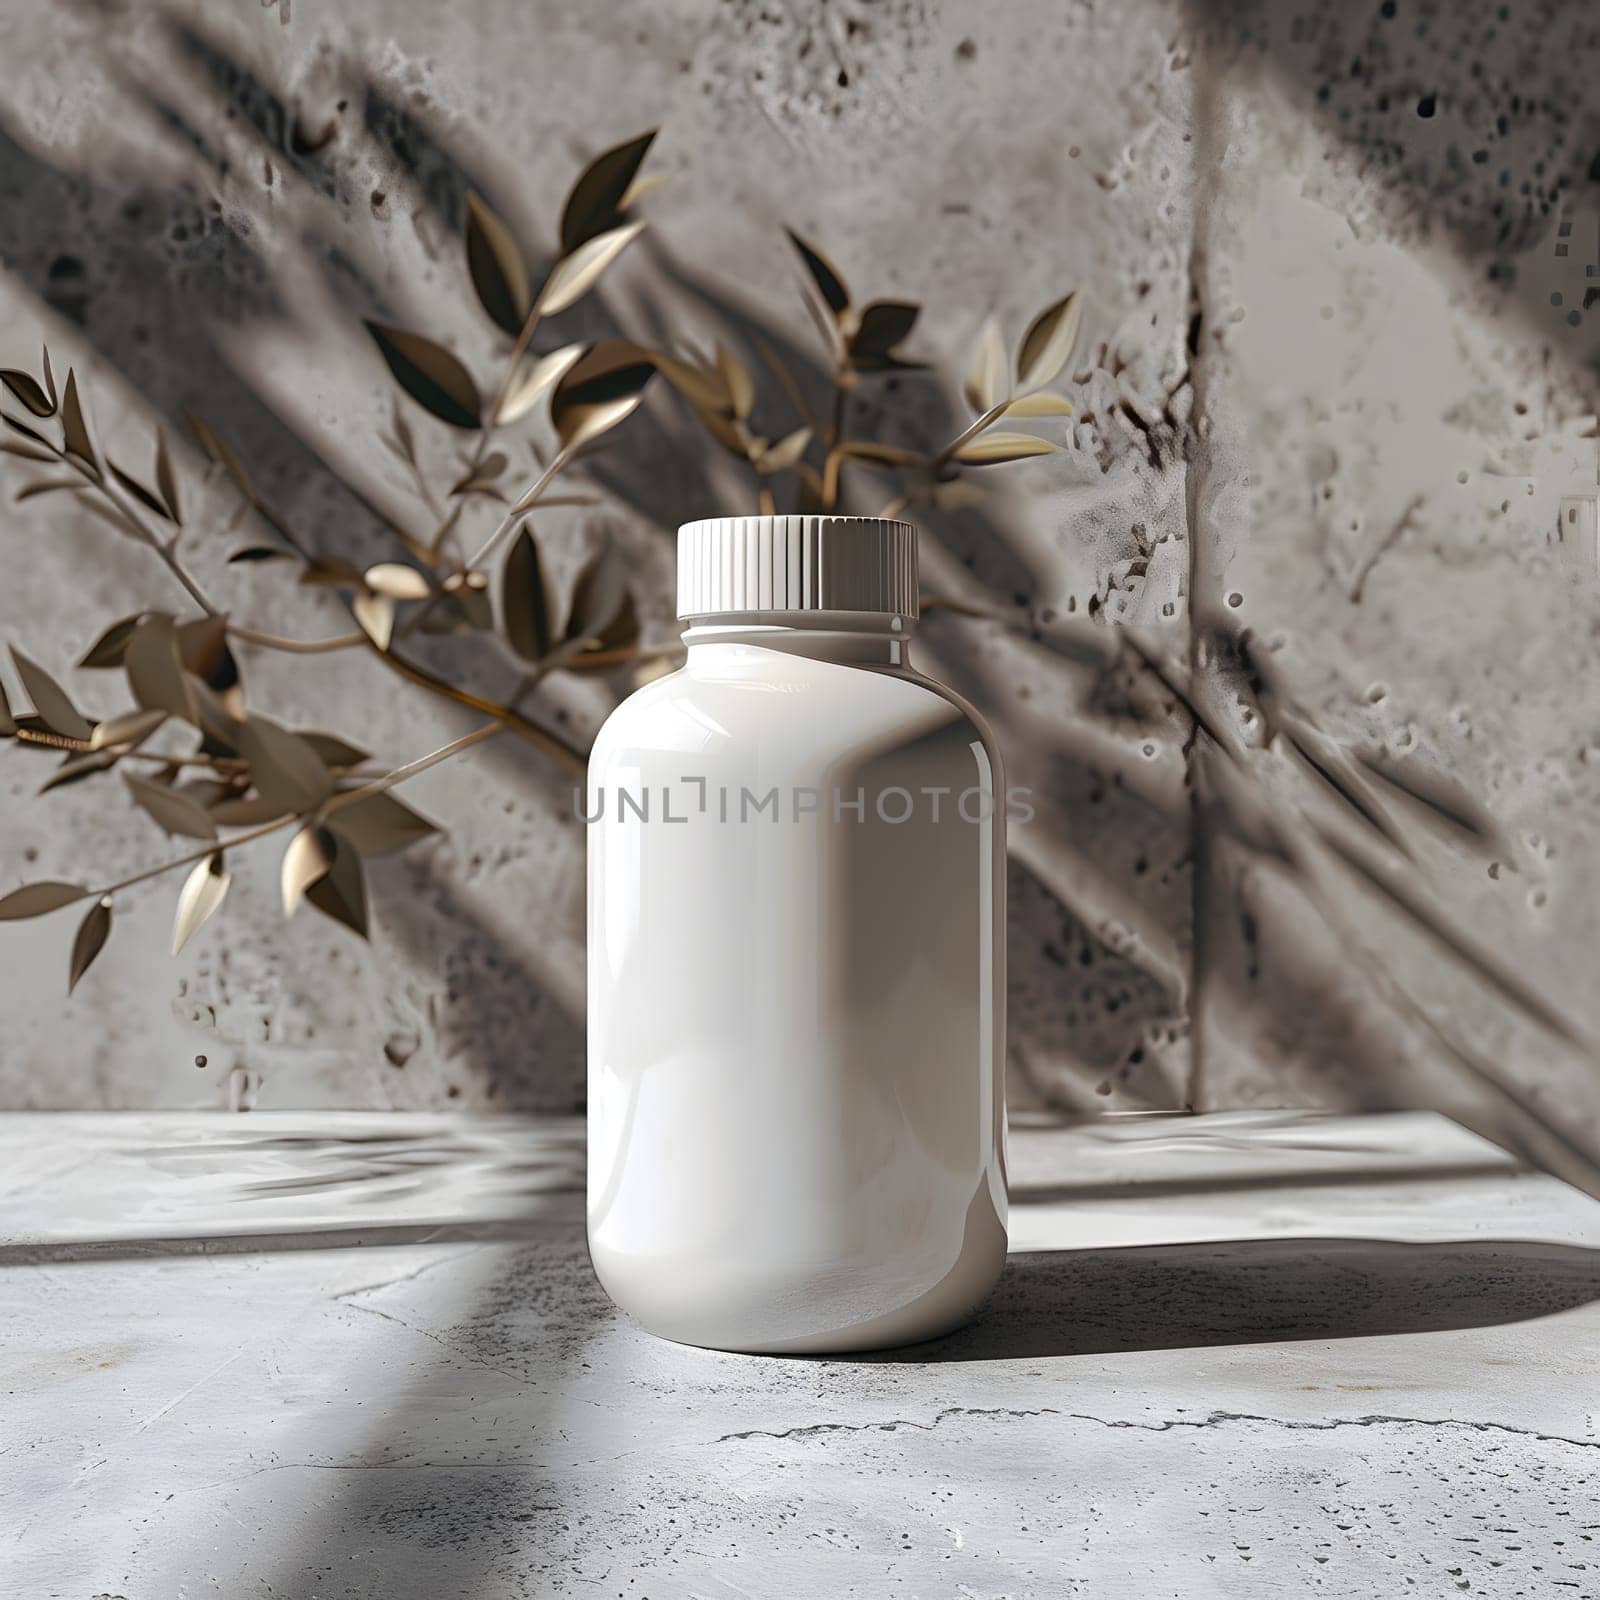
(971, 431)
(521, 508)
(378, 785)
(195, 855)
(303, 647)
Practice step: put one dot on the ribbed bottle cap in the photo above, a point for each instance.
(797, 564)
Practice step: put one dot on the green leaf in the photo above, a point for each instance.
(573, 276)
(93, 930)
(600, 390)
(884, 323)
(433, 377)
(285, 768)
(50, 700)
(991, 449)
(499, 274)
(35, 899)
(109, 648)
(174, 812)
(380, 823)
(341, 893)
(155, 668)
(74, 431)
(601, 193)
(525, 598)
(1047, 345)
(27, 391)
(200, 896)
(829, 284)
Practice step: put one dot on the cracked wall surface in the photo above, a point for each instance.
(1330, 391)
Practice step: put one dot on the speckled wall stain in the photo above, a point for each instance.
(1336, 389)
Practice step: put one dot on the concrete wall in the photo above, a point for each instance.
(1327, 392)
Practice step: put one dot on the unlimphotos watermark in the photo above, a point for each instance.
(694, 797)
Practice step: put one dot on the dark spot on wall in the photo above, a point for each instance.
(1427, 105)
(967, 50)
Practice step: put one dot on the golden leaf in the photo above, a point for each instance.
(76, 768)
(246, 812)
(499, 273)
(886, 455)
(174, 812)
(49, 376)
(166, 478)
(132, 728)
(574, 275)
(599, 391)
(1047, 345)
(525, 598)
(93, 930)
(823, 274)
(30, 491)
(883, 324)
(203, 650)
(380, 823)
(200, 896)
(35, 899)
(957, 495)
(533, 378)
(398, 581)
(431, 375)
(375, 613)
(220, 451)
(50, 700)
(146, 497)
(331, 572)
(155, 668)
(332, 750)
(990, 449)
(308, 860)
(1043, 404)
(342, 893)
(27, 391)
(741, 391)
(484, 473)
(108, 649)
(25, 452)
(285, 769)
(786, 452)
(986, 378)
(74, 431)
(598, 599)
(706, 391)
(603, 191)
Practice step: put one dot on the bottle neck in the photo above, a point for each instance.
(855, 636)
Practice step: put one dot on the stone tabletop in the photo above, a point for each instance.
(347, 1354)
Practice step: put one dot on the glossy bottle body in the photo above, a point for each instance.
(796, 993)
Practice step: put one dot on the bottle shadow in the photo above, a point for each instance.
(1258, 1291)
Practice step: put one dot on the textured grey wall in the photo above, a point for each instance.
(1335, 382)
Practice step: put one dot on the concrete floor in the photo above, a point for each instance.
(328, 1356)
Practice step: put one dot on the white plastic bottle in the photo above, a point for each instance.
(796, 960)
